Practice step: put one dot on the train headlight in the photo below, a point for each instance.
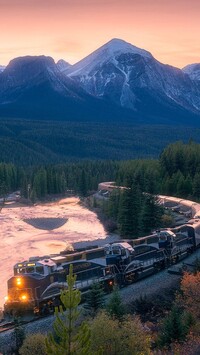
(19, 281)
(24, 298)
(6, 298)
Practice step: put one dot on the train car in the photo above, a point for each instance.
(37, 283)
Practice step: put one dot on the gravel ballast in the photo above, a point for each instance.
(149, 286)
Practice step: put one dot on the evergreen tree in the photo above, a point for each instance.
(33, 195)
(196, 186)
(73, 340)
(19, 335)
(151, 214)
(115, 307)
(113, 204)
(95, 299)
(136, 207)
(82, 183)
(3, 192)
(40, 183)
(126, 213)
(175, 327)
(184, 186)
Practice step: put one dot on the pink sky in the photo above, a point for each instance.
(71, 29)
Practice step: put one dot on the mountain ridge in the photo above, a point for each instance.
(118, 82)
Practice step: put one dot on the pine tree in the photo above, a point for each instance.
(196, 186)
(113, 204)
(175, 327)
(83, 184)
(95, 299)
(115, 307)
(126, 213)
(150, 216)
(19, 335)
(3, 192)
(73, 340)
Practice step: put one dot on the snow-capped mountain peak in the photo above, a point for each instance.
(193, 70)
(125, 74)
(116, 79)
(115, 45)
(109, 52)
(63, 65)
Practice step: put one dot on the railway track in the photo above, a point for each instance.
(7, 326)
(4, 327)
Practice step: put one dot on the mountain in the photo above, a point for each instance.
(132, 78)
(193, 70)
(2, 67)
(63, 65)
(117, 83)
(25, 73)
(34, 87)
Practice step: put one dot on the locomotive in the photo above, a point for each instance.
(37, 282)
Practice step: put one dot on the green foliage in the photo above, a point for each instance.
(152, 308)
(149, 176)
(28, 143)
(72, 339)
(151, 214)
(18, 334)
(126, 212)
(115, 307)
(94, 299)
(34, 345)
(136, 213)
(40, 183)
(175, 327)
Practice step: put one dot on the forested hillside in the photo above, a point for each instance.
(176, 172)
(28, 143)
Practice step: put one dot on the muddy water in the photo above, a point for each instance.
(19, 240)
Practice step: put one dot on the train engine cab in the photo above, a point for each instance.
(24, 288)
(166, 239)
(119, 254)
(37, 283)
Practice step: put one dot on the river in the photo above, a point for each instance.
(19, 239)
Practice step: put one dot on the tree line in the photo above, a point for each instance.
(176, 173)
(30, 143)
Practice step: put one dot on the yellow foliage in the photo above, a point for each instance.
(114, 337)
(34, 345)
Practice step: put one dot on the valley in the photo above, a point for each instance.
(28, 143)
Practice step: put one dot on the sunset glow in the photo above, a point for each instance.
(71, 29)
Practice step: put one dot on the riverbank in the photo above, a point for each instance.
(65, 224)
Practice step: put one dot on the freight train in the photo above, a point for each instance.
(37, 282)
